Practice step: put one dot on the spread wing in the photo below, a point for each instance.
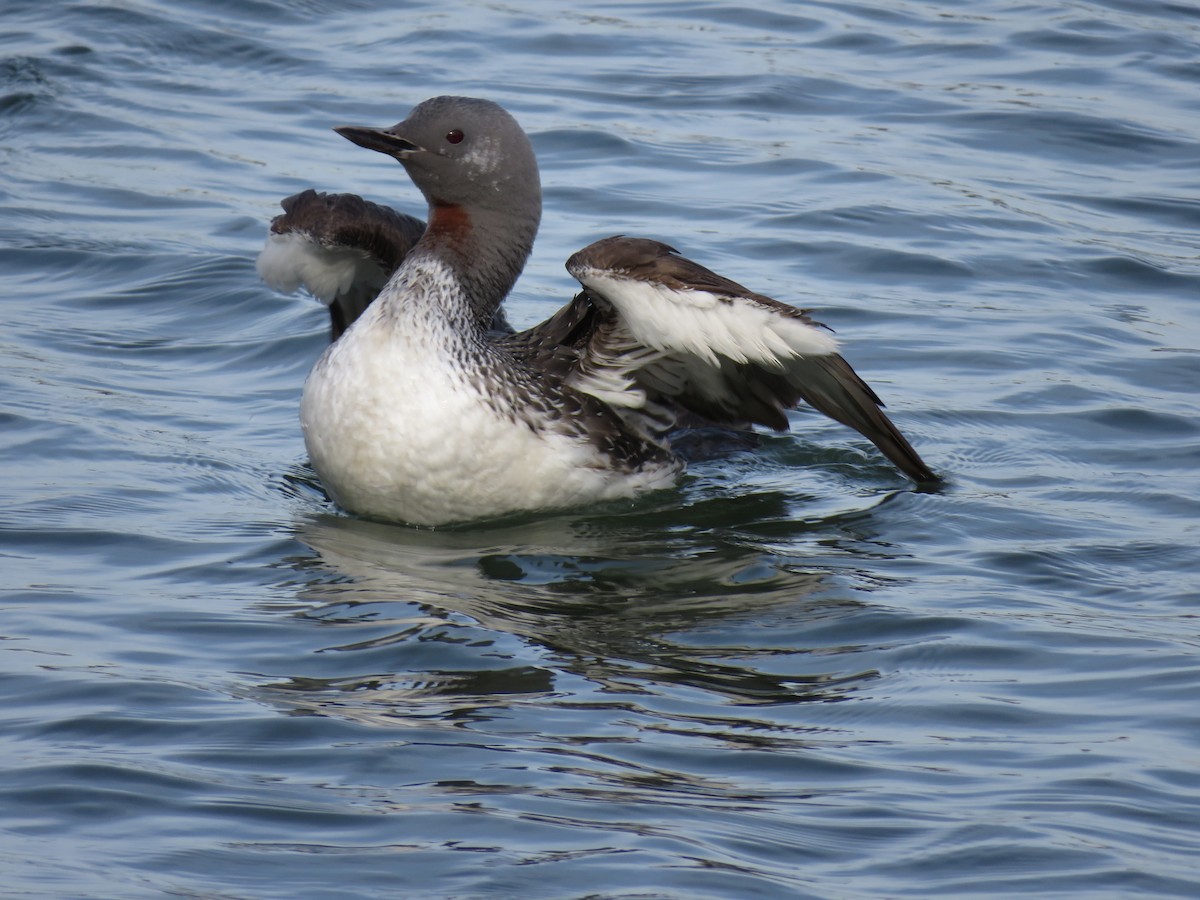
(666, 330)
(341, 248)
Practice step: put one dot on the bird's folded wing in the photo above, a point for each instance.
(668, 328)
(555, 346)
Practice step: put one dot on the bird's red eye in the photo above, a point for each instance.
(455, 136)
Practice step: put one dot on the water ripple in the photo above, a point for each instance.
(793, 674)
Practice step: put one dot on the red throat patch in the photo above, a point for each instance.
(449, 222)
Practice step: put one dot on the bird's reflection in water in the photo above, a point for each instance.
(462, 620)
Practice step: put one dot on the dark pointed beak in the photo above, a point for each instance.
(384, 140)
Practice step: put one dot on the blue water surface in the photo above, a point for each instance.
(793, 676)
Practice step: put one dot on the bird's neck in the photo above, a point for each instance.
(483, 252)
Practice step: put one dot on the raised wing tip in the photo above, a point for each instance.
(618, 255)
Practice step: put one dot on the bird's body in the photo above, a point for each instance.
(426, 409)
(410, 418)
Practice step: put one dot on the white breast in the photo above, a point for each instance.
(399, 428)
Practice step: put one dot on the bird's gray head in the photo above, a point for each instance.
(477, 170)
(460, 151)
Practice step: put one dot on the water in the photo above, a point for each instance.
(793, 676)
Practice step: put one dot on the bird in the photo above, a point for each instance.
(428, 409)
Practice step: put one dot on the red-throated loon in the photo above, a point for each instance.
(427, 409)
